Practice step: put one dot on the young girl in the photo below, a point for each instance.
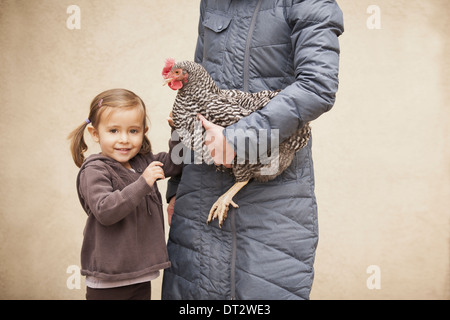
(124, 245)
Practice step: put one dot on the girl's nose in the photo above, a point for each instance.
(123, 138)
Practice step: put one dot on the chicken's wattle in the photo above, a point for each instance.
(175, 85)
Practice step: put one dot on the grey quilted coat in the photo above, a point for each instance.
(266, 247)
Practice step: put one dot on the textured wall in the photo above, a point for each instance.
(381, 155)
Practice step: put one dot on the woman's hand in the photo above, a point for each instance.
(221, 151)
(153, 172)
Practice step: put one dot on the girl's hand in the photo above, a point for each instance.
(153, 172)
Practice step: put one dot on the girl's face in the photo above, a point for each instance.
(120, 133)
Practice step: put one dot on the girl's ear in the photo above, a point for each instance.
(145, 130)
(94, 134)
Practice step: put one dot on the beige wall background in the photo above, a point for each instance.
(381, 155)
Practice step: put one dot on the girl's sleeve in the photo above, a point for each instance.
(109, 206)
(315, 27)
(172, 160)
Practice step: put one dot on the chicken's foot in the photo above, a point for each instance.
(220, 207)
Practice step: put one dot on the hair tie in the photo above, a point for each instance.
(87, 121)
(100, 103)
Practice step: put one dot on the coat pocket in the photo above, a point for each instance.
(215, 36)
(215, 22)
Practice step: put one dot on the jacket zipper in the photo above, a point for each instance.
(247, 46)
(233, 255)
(233, 212)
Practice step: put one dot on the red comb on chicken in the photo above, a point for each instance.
(167, 67)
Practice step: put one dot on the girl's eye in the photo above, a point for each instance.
(113, 130)
(134, 131)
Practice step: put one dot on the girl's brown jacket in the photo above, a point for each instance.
(124, 234)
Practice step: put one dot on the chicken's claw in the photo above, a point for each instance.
(220, 209)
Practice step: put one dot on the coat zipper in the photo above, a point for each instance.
(233, 212)
(247, 46)
(233, 255)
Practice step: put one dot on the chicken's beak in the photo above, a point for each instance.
(167, 81)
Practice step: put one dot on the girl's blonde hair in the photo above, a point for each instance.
(115, 98)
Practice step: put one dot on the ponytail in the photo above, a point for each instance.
(77, 145)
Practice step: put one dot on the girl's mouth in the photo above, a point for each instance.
(123, 150)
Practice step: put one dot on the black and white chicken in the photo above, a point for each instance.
(199, 94)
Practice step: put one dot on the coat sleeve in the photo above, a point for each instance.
(109, 206)
(315, 27)
(199, 48)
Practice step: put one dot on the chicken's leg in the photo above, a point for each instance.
(220, 207)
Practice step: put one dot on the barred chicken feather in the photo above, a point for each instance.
(199, 94)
